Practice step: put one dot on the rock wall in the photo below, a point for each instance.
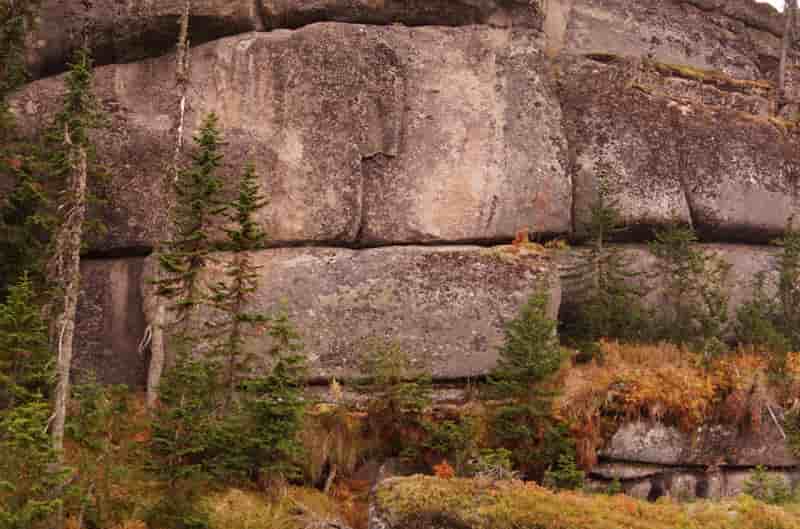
(651, 460)
(402, 143)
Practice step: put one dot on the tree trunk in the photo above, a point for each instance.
(69, 276)
(159, 356)
(789, 13)
(156, 368)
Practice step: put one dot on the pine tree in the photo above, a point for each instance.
(183, 259)
(24, 351)
(72, 158)
(530, 355)
(531, 352)
(29, 474)
(274, 405)
(231, 297)
(610, 304)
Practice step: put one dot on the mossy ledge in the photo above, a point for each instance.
(422, 502)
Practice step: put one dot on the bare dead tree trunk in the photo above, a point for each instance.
(789, 13)
(157, 348)
(69, 275)
(65, 271)
(160, 358)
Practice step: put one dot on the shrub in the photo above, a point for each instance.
(767, 488)
(398, 396)
(565, 475)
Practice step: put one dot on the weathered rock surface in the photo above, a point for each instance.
(360, 134)
(651, 460)
(111, 322)
(501, 13)
(732, 175)
(131, 30)
(445, 306)
(482, 151)
(741, 38)
(745, 263)
(711, 444)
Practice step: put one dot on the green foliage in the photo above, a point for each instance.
(494, 464)
(610, 306)
(28, 484)
(398, 396)
(565, 475)
(531, 352)
(695, 298)
(767, 488)
(25, 220)
(198, 202)
(183, 421)
(105, 457)
(453, 440)
(25, 365)
(771, 322)
(789, 286)
(230, 297)
(523, 422)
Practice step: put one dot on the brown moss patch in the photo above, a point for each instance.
(712, 77)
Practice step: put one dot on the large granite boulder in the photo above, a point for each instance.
(446, 306)
(710, 444)
(663, 153)
(741, 37)
(359, 133)
(111, 322)
(502, 13)
(130, 30)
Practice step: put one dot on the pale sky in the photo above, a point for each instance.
(776, 3)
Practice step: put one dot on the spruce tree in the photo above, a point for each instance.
(184, 257)
(274, 405)
(24, 352)
(21, 230)
(610, 305)
(232, 295)
(523, 423)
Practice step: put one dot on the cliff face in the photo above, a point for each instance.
(444, 123)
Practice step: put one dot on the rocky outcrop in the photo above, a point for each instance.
(126, 31)
(360, 134)
(740, 38)
(651, 460)
(499, 13)
(663, 156)
(445, 306)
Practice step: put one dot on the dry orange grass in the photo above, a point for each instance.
(662, 383)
